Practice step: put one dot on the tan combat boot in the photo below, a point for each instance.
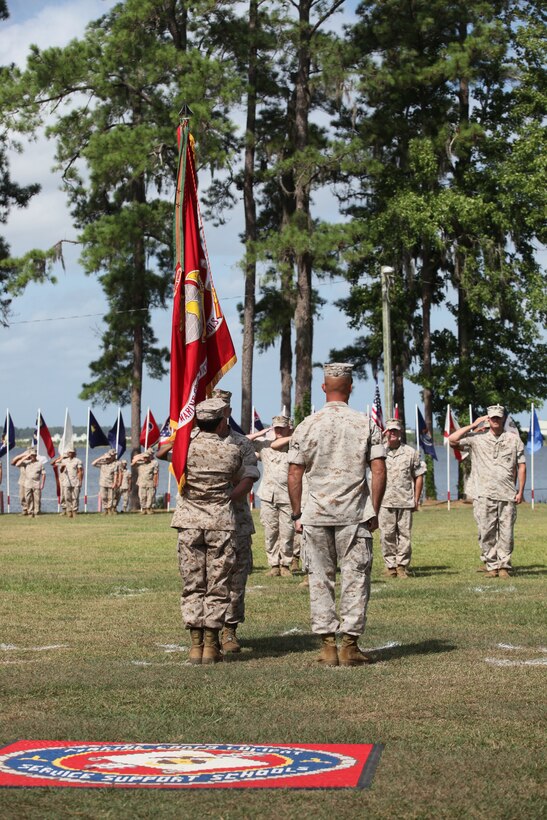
(503, 572)
(329, 653)
(285, 572)
(305, 584)
(274, 572)
(295, 565)
(402, 572)
(196, 650)
(230, 642)
(211, 646)
(391, 572)
(350, 654)
(491, 573)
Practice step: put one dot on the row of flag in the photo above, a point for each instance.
(535, 436)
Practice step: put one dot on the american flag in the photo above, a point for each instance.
(376, 414)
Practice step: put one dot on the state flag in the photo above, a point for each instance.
(535, 436)
(450, 426)
(150, 426)
(67, 440)
(95, 435)
(116, 437)
(257, 422)
(426, 439)
(8, 436)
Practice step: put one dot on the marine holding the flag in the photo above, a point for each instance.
(205, 466)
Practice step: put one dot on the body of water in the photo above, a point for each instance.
(49, 497)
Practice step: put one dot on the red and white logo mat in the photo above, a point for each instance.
(30, 763)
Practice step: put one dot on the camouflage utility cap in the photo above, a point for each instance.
(394, 424)
(281, 421)
(210, 410)
(225, 395)
(495, 410)
(337, 369)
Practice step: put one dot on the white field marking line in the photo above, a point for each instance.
(8, 647)
(508, 662)
(156, 663)
(494, 589)
(507, 646)
(18, 662)
(127, 592)
(258, 586)
(388, 645)
(294, 631)
(172, 647)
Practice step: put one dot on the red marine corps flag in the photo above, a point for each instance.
(201, 345)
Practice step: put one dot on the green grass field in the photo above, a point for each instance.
(456, 696)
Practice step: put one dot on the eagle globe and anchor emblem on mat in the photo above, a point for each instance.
(168, 765)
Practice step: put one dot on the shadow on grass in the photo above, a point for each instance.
(432, 646)
(531, 569)
(434, 569)
(276, 646)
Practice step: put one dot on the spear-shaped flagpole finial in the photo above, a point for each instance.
(185, 112)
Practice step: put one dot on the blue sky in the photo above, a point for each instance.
(45, 353)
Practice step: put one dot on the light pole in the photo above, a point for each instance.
(385, 273)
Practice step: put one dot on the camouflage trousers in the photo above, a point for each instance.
(297, 545)
(395, 524)
(476, 516)
(108, 498)
(278, 533)
(70, 498)
(146, 497)
(23, 498)
(350, 548)
(124, 498)
(206, 562)
(497, 522)
(33, 500)
(235, 614)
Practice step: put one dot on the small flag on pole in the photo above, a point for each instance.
(166, 434)
(377, 415)
(116, 436)
(95, 435)
(235, 426)
(450, 426)
(153, 431)
(67, 441)
(8, 436)
(42, 430)
(535, 436)
(257, 421)
(426, 439)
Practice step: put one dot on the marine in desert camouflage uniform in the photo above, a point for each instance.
(205, 519)
(275, 505)
(334, 447)
(35, 477)
(498, 462)
(108, 480)
(147, 479)
(71, 473)
(124, 489)
(245, 529)
(404, 483)
(17, 461)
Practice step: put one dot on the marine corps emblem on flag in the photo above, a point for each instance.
(205, 765)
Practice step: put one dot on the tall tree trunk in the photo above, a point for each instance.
(285, 366)
(427, 300)
(399, 393)
(250, 228)
(303, 316)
